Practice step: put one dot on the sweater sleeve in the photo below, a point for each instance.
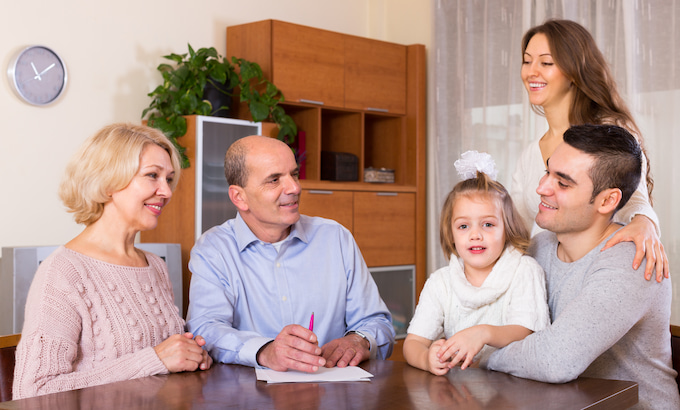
(52, 354)
(528, 304)
(428, 319)
(611, 302)
(44, 364)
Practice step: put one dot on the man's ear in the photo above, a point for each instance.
(608, 200)
(238, 197)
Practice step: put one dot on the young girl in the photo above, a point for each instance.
(491, 293)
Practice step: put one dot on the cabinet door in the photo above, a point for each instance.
(308, 64)
(385, 227)
(375, 75)
(336, 205)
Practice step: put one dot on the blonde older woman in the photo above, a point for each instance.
(100, 310)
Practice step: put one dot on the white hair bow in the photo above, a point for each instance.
(472, 162)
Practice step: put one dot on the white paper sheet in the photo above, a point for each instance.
(334, 374)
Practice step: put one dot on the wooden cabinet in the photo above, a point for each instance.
(385, 227)
(336, 205)
(375, 75)
(308, 64)
(322, 67)
(383, 223)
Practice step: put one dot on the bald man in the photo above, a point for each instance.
(257, 278)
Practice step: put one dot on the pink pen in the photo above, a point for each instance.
(311, 322)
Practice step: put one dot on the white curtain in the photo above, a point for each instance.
(481, 104)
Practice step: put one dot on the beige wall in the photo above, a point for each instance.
(111, 50)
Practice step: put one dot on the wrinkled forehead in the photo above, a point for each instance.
(266, 159)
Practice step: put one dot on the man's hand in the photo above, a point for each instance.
(349, 350)
(294, 348)
(182, 353)
(642, 231)
(207, 360)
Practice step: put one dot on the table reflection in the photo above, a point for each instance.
(396, 385)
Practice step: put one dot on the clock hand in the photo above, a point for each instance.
(47, 69)
(37, 76)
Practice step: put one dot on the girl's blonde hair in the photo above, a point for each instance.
(516, 232)
(106, 163)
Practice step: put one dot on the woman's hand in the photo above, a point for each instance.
(181, 353)
(642, 231)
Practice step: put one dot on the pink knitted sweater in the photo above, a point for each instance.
(89, 322)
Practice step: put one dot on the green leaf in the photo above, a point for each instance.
(182, 92)
(259, 111)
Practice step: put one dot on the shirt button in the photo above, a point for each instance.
(278, 265)
(284, 298)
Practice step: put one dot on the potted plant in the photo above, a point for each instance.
(191, 85)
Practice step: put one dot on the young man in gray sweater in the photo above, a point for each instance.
(607, 320)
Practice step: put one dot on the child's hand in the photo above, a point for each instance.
(463, 346)
(436, 366)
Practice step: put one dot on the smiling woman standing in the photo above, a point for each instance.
(569, 82)
(100, 310)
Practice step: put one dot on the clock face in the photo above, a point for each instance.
(37, 75)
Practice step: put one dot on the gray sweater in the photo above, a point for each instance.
(607, 322)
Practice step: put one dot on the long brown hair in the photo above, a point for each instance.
(596, 100)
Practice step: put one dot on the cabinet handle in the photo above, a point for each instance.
(386, 194)
(311, 101)
(320, 192)
(377, 109)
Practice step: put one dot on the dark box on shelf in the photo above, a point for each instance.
(339, 166)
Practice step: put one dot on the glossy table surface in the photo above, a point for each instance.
(396, 385)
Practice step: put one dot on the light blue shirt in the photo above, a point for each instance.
(243, 292)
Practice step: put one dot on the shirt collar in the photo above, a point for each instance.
(244, 236)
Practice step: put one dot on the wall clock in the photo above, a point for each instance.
(37, 75)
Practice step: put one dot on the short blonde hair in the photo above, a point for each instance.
(482, 185)
(106, 163)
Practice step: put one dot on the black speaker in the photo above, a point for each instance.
(339, 166)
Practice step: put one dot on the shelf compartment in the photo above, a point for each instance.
(385, 145)
(341, 131)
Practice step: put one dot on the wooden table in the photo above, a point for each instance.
(396, 385)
